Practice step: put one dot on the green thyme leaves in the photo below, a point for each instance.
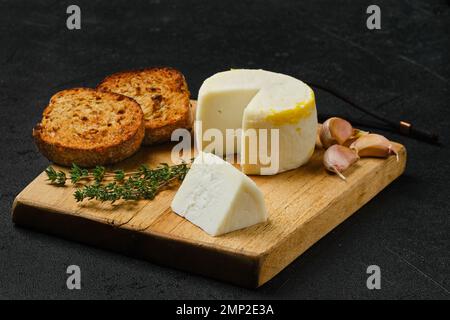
(101, 185)
(76, 173)
(56, 177)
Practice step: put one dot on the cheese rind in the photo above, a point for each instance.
(218, 198)
(256, 100)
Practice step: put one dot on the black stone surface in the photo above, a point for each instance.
(404, 230)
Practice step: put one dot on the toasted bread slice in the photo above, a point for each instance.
(89, 128)
(163, 95)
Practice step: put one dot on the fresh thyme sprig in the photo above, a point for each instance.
(145, 183)
(57, 177)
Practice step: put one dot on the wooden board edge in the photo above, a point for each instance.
(242, 269)
(312, 231)
(235, 268)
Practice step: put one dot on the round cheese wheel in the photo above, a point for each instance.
(268, 118)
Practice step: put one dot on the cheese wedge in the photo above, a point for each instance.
(254, 100)
(218, 198)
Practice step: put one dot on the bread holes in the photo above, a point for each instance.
(157, 99)
(153, 89)
(120, 119)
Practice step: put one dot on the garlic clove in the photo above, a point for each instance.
(325, 135)
(335, 130)
(338, 158)
(340, 130)
(356, 134)
(373, 145)
(395, 149)
(318, 142)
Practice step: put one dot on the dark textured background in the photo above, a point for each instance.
(404, 230)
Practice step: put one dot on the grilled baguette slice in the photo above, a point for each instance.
(89, 127)
(163, 95)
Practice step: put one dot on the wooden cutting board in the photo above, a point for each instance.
(303, 204)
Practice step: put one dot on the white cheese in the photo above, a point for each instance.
(218, 198)
(257, 99)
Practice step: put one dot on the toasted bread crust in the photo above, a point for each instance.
(89, 128)
(163, 95)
